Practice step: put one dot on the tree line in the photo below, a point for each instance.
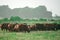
(17, 18)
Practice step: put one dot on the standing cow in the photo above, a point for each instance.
(4, 26)
(40, 26)
(50, 26)
(32, 27)
(57, 26)
(24, 27)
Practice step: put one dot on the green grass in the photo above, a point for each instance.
(28, 22)
(33, 35)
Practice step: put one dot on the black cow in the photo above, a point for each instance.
(58, 27)
(39, 26)
(50, 27)
(4, 26)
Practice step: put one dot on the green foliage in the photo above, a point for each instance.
(41, 19)
(34, 20)
(5, 19)
(15, 18)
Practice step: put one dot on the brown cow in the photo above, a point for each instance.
(24, 27)
(11, 27)
(32, 27)
(16, 27)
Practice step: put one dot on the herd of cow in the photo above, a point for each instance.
(16, 27)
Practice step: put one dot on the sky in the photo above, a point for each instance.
(52, 5)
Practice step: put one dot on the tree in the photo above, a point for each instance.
(15, 18)
(5, 19)
(41, 19)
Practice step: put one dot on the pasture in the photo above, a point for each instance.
(33, 35)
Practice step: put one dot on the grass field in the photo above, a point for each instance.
(29, 22)
(33, 35)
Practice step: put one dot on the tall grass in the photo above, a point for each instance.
(33, 35)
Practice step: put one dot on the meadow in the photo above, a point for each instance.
(33, 35)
